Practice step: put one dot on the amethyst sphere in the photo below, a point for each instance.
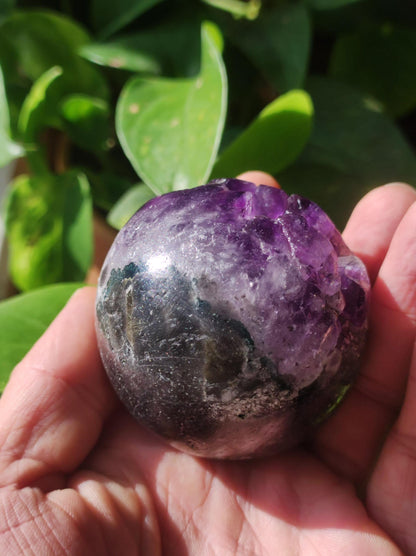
(231, 318)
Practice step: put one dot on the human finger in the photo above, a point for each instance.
(352, 438)
(259, 178)
(57, 398)
(391, 492)
(374, 220)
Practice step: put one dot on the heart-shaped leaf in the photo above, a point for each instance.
(24, 318)
(49, 228)
(273, 140)
(170, 129)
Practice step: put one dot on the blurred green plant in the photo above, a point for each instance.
(27, 316)
(111, 103)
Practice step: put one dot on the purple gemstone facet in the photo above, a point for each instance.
(231, 318)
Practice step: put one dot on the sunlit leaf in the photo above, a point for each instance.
(249, 9)
(170, 129)
(273, 140)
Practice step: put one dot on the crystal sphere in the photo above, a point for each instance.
(231, 318)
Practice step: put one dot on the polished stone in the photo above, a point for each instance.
(231, 318)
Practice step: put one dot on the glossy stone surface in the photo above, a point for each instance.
(231, 318)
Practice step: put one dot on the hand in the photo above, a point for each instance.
(79, 476)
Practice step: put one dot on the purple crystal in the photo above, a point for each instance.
(231, 318)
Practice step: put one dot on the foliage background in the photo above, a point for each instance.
(111, 103)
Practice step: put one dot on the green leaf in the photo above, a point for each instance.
(380, 60)
(273, 140)
(109, 16)
(128, 204)
(170, 129)
(170, 48)
(24, 318)
(249, 9)
(87, 121)
(120, 54)
(9, 150)
(49, 228)
(353, 148)
(39, 109)
(43, 39)
(277, 43)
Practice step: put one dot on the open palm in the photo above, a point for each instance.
(80, 476)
